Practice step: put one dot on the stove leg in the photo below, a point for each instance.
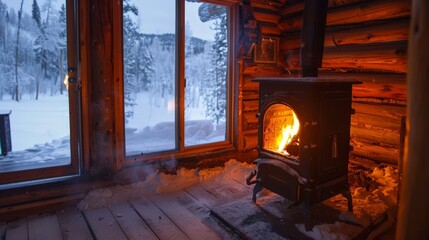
(347, 194)
(257, 188)
(308, 213)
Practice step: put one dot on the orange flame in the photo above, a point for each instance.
(288, 132)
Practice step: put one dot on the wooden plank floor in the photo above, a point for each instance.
(178, 215)
(212, 210)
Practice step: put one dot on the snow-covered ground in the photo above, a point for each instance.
(40, 128)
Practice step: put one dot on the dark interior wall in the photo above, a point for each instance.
(365, 41)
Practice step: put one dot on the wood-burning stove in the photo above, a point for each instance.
(303, 138)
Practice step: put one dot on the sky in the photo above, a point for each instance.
(158, 14)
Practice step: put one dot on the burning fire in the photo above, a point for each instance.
(289, 131)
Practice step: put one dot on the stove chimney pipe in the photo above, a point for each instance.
(313, 36)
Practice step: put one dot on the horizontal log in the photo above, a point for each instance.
(270, 5)
(251, 106)
(270, 29)
(380, 32)
(381, 57)
(375, 135)
(387, 111)
(381, 91)
(250, 121)
(376, 122)
(265, 15)
(374, 152)
(364, 12)
(250, 140)
(297, 7)
(375, 85)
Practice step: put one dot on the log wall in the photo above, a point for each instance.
(365, 41)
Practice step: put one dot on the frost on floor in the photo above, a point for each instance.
(159, 182)
(271, 217)
(374, 211)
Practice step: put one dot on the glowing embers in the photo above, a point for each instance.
(280, 130)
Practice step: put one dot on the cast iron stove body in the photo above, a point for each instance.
(313, 165)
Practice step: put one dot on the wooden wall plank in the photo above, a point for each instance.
(102, 138)
(368, 33)
(386, 57)
(413, 214)
(73, 225)
(44, 228)
(103, 224)
(363, 12)
(131, 223)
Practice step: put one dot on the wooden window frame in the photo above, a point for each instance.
(41, 175)
(180, 151)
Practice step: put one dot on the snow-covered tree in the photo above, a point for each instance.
(138, 69)
(215, 86)
(18, 31)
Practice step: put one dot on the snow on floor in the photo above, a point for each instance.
(160, 182)
(367, 206)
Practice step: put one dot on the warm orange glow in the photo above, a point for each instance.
(66, 81)
(288, 132)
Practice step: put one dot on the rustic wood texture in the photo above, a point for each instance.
(44, 228)
(103, 224)
(389, 57)
(366, 33)
(375, 131)
(413, 211)
(102, 138)
(73, 225)
(356, 13)
(130, 222)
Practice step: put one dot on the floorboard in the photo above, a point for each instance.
(103, 224)
(17, 230)
(2, 230)
(190, 224)
(160, 224)
(73, 225)
(215, 209)
(131, 223)
(44, 228)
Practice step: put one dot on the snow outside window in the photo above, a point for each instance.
(151, 69)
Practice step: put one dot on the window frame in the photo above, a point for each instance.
(181, 150)
(46, 174)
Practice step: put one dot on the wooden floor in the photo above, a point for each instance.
(212, 210)
(178, 215)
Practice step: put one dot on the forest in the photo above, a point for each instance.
(33, 58)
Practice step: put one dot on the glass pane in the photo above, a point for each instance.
(34, 102)
(149, 75)
(206, 71)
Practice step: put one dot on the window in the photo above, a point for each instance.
(36, 51)
(176, 79)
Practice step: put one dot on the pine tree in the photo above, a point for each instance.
(138, 70)
(215, 87)
(17, 96)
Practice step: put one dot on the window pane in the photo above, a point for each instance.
(33, 63)
(206, 71)
(149, 75)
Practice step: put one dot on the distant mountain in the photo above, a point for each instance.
(168, 41)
